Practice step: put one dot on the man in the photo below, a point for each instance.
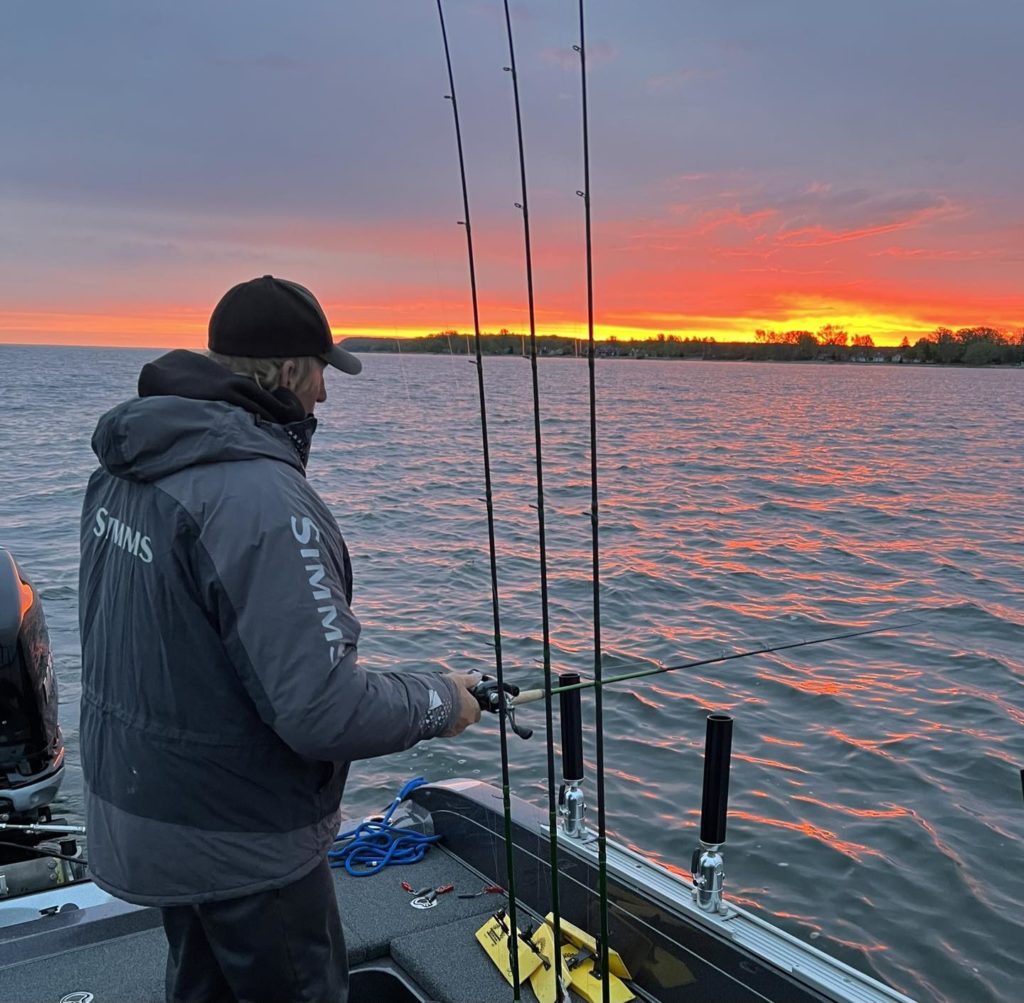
(222, 700)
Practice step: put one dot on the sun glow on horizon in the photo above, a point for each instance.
(186, 327)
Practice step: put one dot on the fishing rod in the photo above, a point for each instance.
(602, 850)
(43, 829)
(489, 497)
(486, 690)
(549, 735)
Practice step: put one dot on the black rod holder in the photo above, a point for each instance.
(572, 729)
(715, 802)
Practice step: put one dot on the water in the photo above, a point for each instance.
(876, 801)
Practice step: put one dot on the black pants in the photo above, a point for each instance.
(281, 946)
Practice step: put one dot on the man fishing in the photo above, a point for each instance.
(222, 699)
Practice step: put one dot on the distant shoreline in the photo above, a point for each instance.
(549, 347)
(787, 362)
(974, 347)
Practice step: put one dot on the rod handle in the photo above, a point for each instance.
(715, 801)
(527, 696)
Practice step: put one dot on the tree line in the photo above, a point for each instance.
(972, 346)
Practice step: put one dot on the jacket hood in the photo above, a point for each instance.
(192, 411)
(188, 374)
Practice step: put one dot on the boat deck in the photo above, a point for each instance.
(121, 958)
(437, 947)
(676, 952)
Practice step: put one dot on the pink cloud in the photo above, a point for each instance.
(674, 80)
(598, 54)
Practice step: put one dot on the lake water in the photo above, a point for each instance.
(875, 800)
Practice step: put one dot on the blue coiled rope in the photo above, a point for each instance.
(372, 846)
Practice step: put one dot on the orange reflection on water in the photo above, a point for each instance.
(961, 693)
(744, 902)
(975, 733)
(768, 762)
(646, 701)
(856, 945)
(782, 914)
(782, 741)
(671, 742)
(622, 775)
(894, 811)
(817, 929)
(798, 543)
(817, 687)
(716, 564)
(700, 701)
(840, 687)
(855, 851)
(656, 858)
(871, 745)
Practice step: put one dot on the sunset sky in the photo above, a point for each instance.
(753, 165)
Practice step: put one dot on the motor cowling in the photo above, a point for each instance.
(31, 745)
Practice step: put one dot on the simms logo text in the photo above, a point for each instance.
(307, 533)
(109, 528)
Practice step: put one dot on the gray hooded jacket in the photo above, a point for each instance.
(222, 699)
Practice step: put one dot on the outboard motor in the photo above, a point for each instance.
(31, 745)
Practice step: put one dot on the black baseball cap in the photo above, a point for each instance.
(269, 318)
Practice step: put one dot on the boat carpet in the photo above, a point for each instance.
(375, 910)
(126, 969)
(448, 963)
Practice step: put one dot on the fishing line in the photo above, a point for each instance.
(541, 536)
(451, 351)
(602, 851)
(505, 792)
(401, 366)
(530, 696)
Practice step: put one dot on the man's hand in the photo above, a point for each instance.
(467, 711)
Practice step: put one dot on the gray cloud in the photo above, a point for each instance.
(332, 114)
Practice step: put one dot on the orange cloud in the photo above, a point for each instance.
(729, 260)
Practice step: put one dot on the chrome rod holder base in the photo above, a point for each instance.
(708, 872)
(572, 808)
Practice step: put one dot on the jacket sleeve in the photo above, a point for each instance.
(276, 588)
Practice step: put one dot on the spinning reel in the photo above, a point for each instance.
(488, 696)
